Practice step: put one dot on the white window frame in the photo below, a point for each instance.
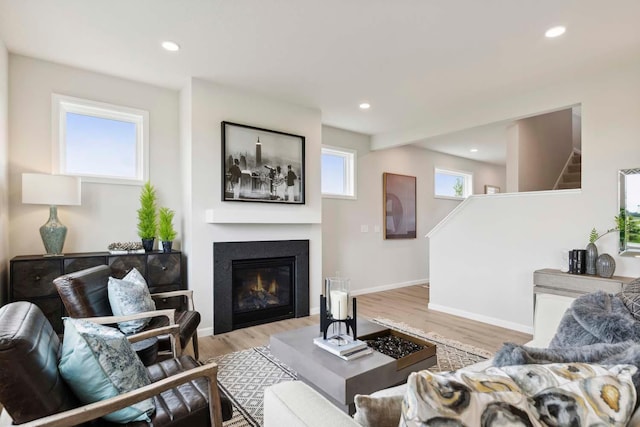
(62, 104)
(467, 182)
(350, 170)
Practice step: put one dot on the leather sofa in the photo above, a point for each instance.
(31, 387)
(296, 404)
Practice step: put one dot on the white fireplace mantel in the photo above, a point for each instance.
(238, 216)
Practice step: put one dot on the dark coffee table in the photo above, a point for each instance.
(337, 379)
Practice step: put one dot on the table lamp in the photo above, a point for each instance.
(52, 190)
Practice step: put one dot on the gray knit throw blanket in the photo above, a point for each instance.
(597, 328)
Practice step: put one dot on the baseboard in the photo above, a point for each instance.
(314, 310)
(389, 287)
(205, 332)
(481, 318)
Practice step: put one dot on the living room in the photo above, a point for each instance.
(470, 261)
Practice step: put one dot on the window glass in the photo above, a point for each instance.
(99, 142)
(333, 173)
(97, 146)
(453, 184)
(338, 172)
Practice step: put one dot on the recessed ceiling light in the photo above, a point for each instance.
(474, 150)
(555, 31)
(365, 106)
(171, 46)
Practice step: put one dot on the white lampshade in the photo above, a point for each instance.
(58, 190)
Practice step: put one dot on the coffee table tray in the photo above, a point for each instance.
(428, 351)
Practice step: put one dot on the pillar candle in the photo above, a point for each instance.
(339, 304)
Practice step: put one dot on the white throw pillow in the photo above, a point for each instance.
(130, 295)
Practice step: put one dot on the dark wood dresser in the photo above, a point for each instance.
(31, 276)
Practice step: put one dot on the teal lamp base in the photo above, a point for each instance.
(53, 233)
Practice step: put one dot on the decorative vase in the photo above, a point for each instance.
(166, 246)
(147, 244)
(605, 265)
(592, 256)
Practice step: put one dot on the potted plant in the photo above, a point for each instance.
(147, 216)
(166, 232)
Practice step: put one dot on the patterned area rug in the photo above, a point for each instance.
(244, 375)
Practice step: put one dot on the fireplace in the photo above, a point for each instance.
(259, 282)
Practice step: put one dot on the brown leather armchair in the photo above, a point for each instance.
(84, 294)
(33, 391)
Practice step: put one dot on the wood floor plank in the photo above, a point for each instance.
(407, 305)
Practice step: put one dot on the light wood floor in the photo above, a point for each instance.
(408, 305)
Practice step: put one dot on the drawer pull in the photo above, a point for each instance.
(164, 268)
(37, 278)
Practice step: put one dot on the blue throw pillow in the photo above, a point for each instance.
(98, 363)
(130, 295)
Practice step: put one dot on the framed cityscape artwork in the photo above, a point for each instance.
(261, 165)
(399, 202)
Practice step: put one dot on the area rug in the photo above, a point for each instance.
(243, 375)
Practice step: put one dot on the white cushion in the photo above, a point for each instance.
(295, 404)
(548, 313)
(130, 295)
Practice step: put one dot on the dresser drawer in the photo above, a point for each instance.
(164, 269)
(72, 265)
(179, 303)
(53, 310)
(122, 264)
(34, 278)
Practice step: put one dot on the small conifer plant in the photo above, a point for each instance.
(166, 232)
(147, 214)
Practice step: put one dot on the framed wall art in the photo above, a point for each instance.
(399, 202)
(261, 165)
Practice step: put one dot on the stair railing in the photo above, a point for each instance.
(566, 167)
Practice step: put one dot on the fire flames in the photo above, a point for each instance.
(257, 296)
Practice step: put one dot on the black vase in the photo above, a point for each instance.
(166, 247)
(147, 244)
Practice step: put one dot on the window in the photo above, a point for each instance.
(451, 184)
(338, 172)
(99, 142)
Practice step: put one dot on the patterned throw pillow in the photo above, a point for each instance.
(526, 395)
(630, 296)
(130, 295)
(98, 363)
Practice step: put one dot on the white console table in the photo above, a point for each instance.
(550, 281)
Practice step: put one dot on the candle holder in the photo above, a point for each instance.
(336, 307)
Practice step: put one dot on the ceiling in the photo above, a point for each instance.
(410, 59)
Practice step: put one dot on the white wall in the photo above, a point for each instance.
(517, 234)
(108, 211)
(4, 170)
(544, 145)
(366, 258)
(210, 104)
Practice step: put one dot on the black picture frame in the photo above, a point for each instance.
(262, 165)
(399, 206)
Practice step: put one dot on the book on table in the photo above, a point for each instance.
(356, 353)
(340, 345)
